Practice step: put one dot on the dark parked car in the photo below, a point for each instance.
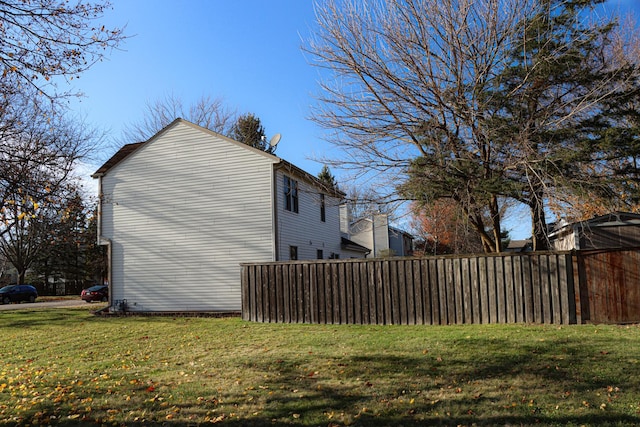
(17, 293)
(95, 293)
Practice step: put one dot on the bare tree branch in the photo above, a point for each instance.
(210, 113)
(42, 39)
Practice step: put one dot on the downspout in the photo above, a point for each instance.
(103, 241)
(107, 242)
(99, 213)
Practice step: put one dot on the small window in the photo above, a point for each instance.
(290, 194)
(293, 253)
(319, 254)
(323, 214)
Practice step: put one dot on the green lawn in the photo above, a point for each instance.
(68, 367)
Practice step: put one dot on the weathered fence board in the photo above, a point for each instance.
(550, 287)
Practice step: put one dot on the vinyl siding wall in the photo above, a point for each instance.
(363, 233)
(381, 234)
(399, 243)
(396, 243)
(182, 212)
(566, 240)
(304, 229)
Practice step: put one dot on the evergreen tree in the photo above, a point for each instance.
(96, 268)
(71, 251)
(545, 102)
(250, 131)
(326, 177)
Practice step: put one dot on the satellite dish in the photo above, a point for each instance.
(275, 139)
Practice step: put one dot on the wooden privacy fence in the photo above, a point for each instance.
(536, 288)
(609, 285)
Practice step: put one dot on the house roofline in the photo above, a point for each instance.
(293, 169)
(390, 227)
(128, 149)
(353, 246)
(595, 222)
(119, 156)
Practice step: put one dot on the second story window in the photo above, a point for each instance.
(323, 214)
(290, 194)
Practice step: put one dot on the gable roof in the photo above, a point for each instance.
(617, 218)
(294, 170)
(353, 246)
(391, 228)
(117, 158)
(523, 245)
(128, 149)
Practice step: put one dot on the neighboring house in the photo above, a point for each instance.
(182, 210)
(383, 239)
(614, 230)
(519, 246)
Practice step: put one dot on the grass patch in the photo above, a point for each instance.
(68, 367)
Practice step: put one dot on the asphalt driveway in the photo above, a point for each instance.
(50, 304)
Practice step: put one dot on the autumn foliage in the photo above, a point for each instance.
(443, 229)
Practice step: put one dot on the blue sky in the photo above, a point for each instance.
(247, 52)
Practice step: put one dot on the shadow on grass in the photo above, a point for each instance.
(58, 317)
(553, 367)
(65, 317)
(421, 389)
(380, 422)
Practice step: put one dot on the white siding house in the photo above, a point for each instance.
(294, 233)
(182, 210)
(383, 239)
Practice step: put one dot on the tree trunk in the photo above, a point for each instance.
(539, 224)
(488, 244)
(495, 222)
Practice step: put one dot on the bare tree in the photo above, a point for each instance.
(477, 101)
(21, 243)
(366, 202)
(43, 39)
(38, 153)
(411, 79)
(210, 113)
